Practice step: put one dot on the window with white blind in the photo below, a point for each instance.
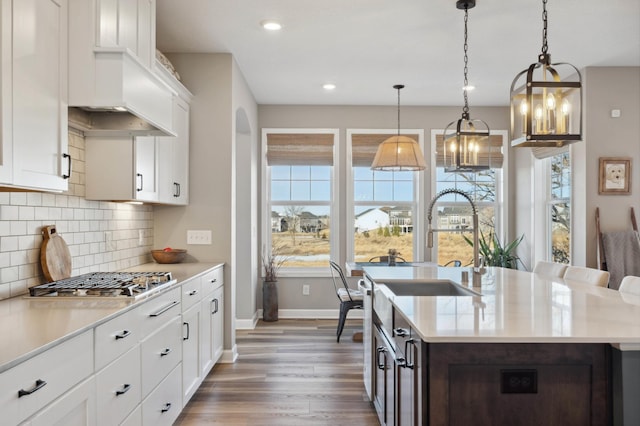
(384, 207)
(452, 213)
(299, 188)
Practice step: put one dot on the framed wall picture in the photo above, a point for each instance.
(615, 176)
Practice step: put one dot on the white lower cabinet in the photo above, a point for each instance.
(118, 388)
(191, 378)
(160, 353)
(134, 419)
(75, 408)
(212, 326)
(33, 384)
(164, 404)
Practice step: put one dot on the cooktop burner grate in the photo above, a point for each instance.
(104, 284)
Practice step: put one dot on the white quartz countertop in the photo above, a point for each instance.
(29, 326)
(516, 306)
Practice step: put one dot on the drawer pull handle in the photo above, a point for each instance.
(166, 352)
(39, 385)
(193, 292)
(166, 407)
(122, 335)
(188, 331)
(401, 332)
(213, 280)
(124, 390)
(165, 309)
(215, 310)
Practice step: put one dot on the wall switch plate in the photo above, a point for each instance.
(198, 237)
(140, 237)
(306, 290)
(109, 243)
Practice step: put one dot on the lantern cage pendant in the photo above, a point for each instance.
(546, 101)
(465, 144)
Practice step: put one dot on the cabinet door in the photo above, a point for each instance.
(384, 380)
(39, 101)
(190, 352)
(407, 388)
(173, 158)
(6, 142)
(75, 408)
(212, 341)
(146, 188)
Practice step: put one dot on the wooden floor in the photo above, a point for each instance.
(289, 372)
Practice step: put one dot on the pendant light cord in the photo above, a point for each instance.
(544, 27)
(465, 109)
(399, 110)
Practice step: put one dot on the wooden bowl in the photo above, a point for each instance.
(173, 256)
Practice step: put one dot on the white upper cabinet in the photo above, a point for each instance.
(173, 159)
(34, 95)
(121, 168)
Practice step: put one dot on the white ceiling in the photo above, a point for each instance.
(367, 46)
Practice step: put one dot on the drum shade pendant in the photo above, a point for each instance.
(399, 153)
(465, 143)
(546, 101)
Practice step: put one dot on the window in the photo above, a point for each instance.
(559, 208)
(452, 215)
(385, 206)
(299, 188)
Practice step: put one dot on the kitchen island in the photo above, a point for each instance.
(527, 347)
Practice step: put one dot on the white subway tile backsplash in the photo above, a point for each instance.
(82, 223)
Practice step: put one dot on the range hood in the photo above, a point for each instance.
(113, 94)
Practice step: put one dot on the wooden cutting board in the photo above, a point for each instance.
(55, 257)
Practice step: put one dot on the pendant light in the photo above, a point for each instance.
(465, 144)
(546, 101)
(399, 153)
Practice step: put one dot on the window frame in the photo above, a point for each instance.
(333, 203)
(550, 201)
(418, 210)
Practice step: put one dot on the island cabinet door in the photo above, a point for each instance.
(519, 384)
(384, 379)
(408, 387)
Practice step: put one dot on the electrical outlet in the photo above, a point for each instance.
(140, 237)
(198, 237)
(306, 290)
(519, 381)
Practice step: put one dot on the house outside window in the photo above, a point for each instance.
(384, 207)
(299, 190)
(452, 214)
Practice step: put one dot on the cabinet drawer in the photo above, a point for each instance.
(153, 314)
(116, 337)
(191, 293)
(160, 352)
(45, 377)
(212, 280)
(134, 419)
(119, 388)
(163, 406)
(76, 407)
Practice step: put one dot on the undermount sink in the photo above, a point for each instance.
(429, 288)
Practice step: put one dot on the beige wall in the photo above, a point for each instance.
(608, 88)
(219, 93)
(81, 223)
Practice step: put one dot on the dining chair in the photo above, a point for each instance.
(550, 269)
(630, 285)
(349, 298)
(587, 275)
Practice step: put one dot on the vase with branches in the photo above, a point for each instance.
(271, 264)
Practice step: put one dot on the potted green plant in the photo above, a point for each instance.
(494, 253)
(271, 263)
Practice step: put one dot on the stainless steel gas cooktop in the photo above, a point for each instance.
(106, 284)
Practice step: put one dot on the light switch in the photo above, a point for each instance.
(615, 113)
(199, 237)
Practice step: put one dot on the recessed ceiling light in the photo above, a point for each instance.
(271, 25)
(329, 86)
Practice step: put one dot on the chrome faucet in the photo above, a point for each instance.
(476, 255)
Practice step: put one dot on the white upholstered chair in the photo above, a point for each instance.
(587, 275)
(550, 269)
(630, 284)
